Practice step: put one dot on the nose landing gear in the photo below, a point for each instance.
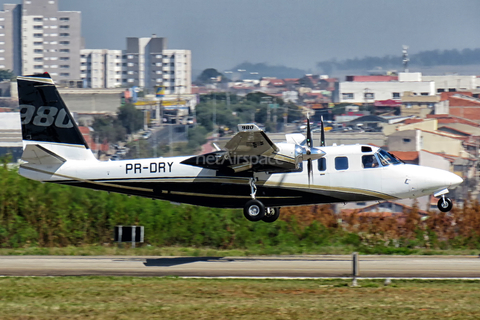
(255, 210)
(444, 204)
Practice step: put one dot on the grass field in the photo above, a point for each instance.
(96, 250)
(177, 298)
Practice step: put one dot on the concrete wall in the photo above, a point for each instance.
(92, 101)
(403, 141)
(442, 144)
(432, 160)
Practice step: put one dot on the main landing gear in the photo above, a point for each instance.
(254, 210)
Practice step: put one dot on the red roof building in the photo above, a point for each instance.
(445, 119)
(87, 135)
(406, 156)
(462, 104)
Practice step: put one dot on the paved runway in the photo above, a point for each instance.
(281, 266)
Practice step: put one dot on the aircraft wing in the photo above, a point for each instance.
(249, 150)
(251, 141)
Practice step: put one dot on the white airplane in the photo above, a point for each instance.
(251, 172)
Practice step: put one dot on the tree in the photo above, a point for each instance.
(6, 74)
(207, 75)
(108, 128)
(252, 108)
(130, 117)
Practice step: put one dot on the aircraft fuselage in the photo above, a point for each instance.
(167, 178)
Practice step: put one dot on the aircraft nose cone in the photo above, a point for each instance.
(454, 180)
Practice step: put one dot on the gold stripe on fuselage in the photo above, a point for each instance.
(86, 181)
(230, 180)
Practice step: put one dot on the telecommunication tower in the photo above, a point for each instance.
(405, 58)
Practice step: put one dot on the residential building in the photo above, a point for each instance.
(148, 63)
(10, 38)
(101, 68)
(434, 141)
(177, 71)
(462, 104)
(134, 60)
(51, 40)
(364, 90)
(419, 105)
(452, 82)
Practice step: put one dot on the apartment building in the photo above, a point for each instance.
(10, 38)
(177, 71)
(453, 82)
(363, 91)
(51, 40)
(149, 64)
(36, 37)
(101, 68)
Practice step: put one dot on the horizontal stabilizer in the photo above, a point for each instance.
(295, 138)
(36, 154)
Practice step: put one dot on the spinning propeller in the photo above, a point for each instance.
(310, 152)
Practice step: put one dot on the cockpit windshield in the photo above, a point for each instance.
(386, 158)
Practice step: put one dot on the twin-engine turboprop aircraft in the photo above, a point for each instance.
(251, 172)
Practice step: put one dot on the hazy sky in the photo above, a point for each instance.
(295, 33)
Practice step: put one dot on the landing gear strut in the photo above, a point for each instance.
(255, 210)
(444, 204)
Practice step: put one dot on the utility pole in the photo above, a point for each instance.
(170, 139)
(215, 130)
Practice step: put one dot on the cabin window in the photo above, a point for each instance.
(369, 161)
(366, 149)
(341, 163)
(322, 164)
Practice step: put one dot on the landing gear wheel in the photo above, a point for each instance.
(271, 214)
(444, 204)
(254, 210)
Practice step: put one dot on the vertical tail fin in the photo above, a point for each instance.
(46, 120)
